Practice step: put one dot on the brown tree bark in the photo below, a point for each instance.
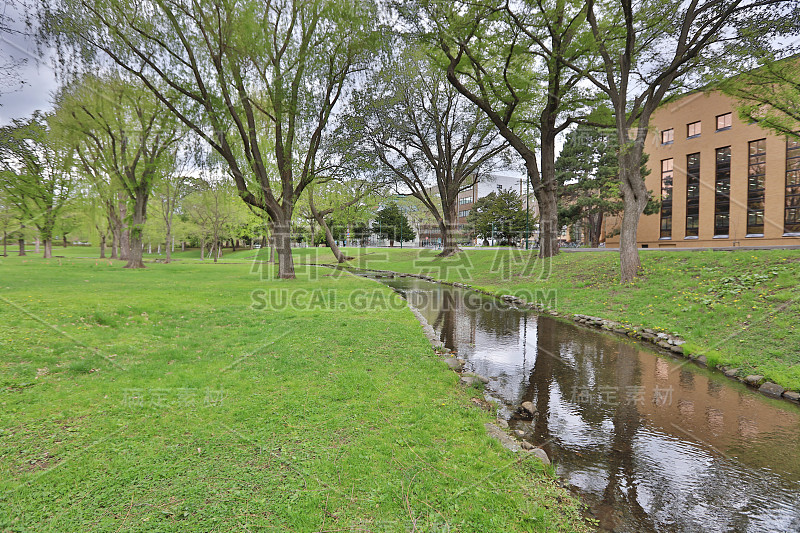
(282, 236)
(136, 230)
(447, 228)
(319, 216)
(21, 243)
(102, 246)
(48, 248)
(169, 246)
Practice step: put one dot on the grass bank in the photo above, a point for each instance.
(164, 400)
(741, 309)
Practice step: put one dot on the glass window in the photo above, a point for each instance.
(692, 195)
(756, 169)
(667, 136)
(791, 216)
(722, 188)
(693, 129)
(724, 121)
(666, 198)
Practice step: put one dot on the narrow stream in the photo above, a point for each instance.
(651, 442)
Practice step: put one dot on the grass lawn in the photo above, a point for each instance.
(162, 400)
(740, 309)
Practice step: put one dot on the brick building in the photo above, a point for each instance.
(723, 182)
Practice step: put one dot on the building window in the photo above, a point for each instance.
(465, 200)
(693, 129)
(463, 213)
(722, 192)
(666, 198)
(791, 220)
(724, 122)
(692, 194)
(756, 168)
(667, 136)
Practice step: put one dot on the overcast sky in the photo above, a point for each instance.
(35, 81)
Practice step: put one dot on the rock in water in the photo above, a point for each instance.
(528, 409)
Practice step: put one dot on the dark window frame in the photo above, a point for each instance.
(689, 135)
(722, 192)
(791, 205)
(692, 230)
(756, 176)
(667, 177)
(671, 133)
(724, 128)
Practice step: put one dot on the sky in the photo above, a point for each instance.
(38, 80)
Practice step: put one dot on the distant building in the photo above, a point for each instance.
(430, 235)
(722, 182)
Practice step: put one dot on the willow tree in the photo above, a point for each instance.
(429, 139)
(257, 81)
(36, 174)
(121, 131)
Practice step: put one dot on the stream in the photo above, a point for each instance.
(651, 442)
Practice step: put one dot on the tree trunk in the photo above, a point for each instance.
(136, 230)
(447, 227)
(64, 237)
(102, 246)
(282, 236)
(48, 248)
(597, 228)
(548, 192)
(124, 233)
(202, 249)
(114, 243)
(320, 218)
(36, 246)
(5, 244)
(169, 248)
(634, 197)
(21, 243)
(340, 257)
(548, 223)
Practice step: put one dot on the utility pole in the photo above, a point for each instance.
(527, 209)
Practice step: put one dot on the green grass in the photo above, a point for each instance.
(740, 309)
(161, 400)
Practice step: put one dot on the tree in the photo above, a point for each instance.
(120, 130)
(430, 139)
(587, 173)
(393, 225)
(338, 197)
(498, 215)
(258, 82)
(769, 95)
(170, 190)
(9, 220)
(510, 60)
(215, 211)
(649, 49)
(586, 170)
(36, 173)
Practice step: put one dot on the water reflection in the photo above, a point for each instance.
(651, 442)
